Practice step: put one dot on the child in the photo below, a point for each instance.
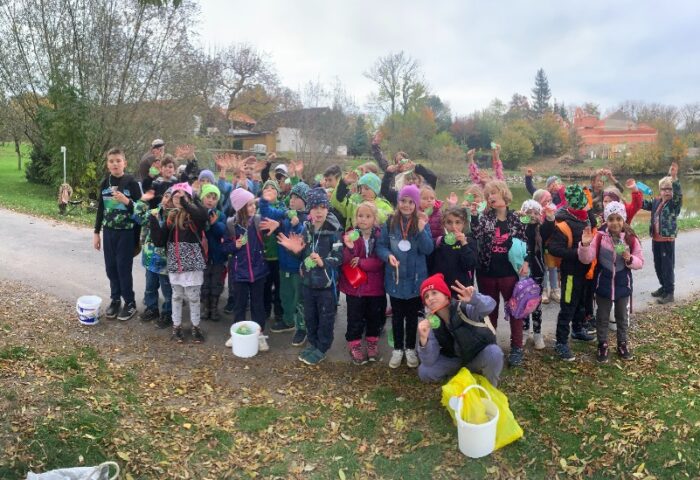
(553, 185)
(404, 245)
(663, 230)
(539, 225)
(181, 235)
(612, 194)
(247, 268)
(320, 249)
(365, 302)
(497, 228)
(164, 180)
(462, 336)
(290, 281)
(431, 207)
(154, 260)
(455, 253)
(115, 219)
(214, 274)
(481, 178)
(618, 251)
(271, 296)
(346, 203)
(550, 284)
(564, 244)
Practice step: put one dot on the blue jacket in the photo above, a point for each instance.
(413, 268)
(215, 238)
(326, 242)
(226, 187)
(247, 263)
(288, 261)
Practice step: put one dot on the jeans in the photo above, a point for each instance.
(254, 291)
(319, 315)
(118, 246)
(150, 297)
(664, 263)
(213, 281)
(272, 290)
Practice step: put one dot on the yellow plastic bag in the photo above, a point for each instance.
(507, 429)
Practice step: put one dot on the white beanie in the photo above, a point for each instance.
(615, 208)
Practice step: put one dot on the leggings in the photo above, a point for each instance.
(405, 310)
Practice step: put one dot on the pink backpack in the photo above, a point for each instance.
(526, 297)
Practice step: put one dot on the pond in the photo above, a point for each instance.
(689, 184)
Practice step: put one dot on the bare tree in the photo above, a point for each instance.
(243, 69)
(690, 113)
(400, 82)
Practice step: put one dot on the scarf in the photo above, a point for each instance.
(579, 214)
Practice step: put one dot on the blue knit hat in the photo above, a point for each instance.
(371, 181)
(317, 197)
(301, 190)
(208, 175)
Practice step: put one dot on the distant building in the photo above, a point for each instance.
(613, 136)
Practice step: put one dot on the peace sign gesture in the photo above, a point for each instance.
(465, 294)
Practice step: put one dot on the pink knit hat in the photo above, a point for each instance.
(184, 186)
(412, 192)
(240, 198)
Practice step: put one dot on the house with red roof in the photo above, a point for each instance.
(613, 136)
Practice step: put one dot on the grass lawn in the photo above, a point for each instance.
(16, 193)
(121, 392)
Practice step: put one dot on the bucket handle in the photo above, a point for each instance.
(488, 396)
(456, 402)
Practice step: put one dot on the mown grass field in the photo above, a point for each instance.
(71, 396)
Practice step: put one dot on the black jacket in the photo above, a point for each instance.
(558, 244)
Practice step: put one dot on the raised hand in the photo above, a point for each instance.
(269, 225)
(269, 194)
(529, 172)
(185, 151)
(259, 166)
(470, 155)
(424, 331)
(586, 236)
(271, 156)
(213, 217)
(465, 294)
(452, 199)
(347, 241)
(673, 170)
(351, 177)
(377, 139)
(631, 184)
(294, 243)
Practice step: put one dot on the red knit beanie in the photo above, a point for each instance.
(436, 282)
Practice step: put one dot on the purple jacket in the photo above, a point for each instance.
(435, 221)
(372, 265)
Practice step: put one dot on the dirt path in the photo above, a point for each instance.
(59, 259)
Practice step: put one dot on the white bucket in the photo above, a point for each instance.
(476, 441)
(88, 309)
(245, 346)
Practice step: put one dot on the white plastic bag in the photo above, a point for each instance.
(100, 472)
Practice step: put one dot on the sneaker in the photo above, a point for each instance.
(304, 353)
(582, 336)
(197, 336)
(545, 296)
(612, 326)
(178, 336)
(229, 305)
(262, 343)
(113, 309)
(515, 359)
(396, 357)
(149, 314)
(373, 349)
(590, 327)
(279, 326)
(165, 320)
(564, 352)
(128, 311)
(667, 298)
(539, 341)
(299, 338)
(356, 353)
(602, 352)
(624, 352)
(411, 358)
(658, 293)
(555, 296)
(229, 342)
(314, 357)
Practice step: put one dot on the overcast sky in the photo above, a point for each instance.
(473, 51)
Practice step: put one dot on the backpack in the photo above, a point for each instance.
(526, 297)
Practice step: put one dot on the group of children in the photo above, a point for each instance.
(289, 248)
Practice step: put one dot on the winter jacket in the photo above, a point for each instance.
(346, 204)
(455, 262)
(535, 258)
(484, 231)
(184, 247)
(248, 262)
(370, 263)
(153, 259)
(288, 261)
(111, 213)
(215, 240)
(159, 185)
(666, 227)
(435, 221)
(613, 276)
(326, 242)
(413, 268)
(559, 245)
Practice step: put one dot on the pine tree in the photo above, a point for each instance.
(359, 140)
(541, 94)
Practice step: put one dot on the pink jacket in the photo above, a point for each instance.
(372, 265)
(435, 221)
(613, 277)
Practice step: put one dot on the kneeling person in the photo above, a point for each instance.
(462, 338)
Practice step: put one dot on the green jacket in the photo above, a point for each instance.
(348, 205)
